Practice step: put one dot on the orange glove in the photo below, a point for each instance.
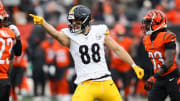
(149, 83)
(139, 71)
(37, 19)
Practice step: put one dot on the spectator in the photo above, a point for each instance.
(173, 15)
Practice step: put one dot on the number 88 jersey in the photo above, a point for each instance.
(7, 37)
(156, 50)
(88, 53)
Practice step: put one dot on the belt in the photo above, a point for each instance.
(107, 75)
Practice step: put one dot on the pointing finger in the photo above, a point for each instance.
(32, 15)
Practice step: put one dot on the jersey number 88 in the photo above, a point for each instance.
(85, 57)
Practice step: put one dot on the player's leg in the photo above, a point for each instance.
(19, 75)
(174, 89)
(16, 79)
(110, 91)
(158, 91)
(126, 77)
(5, 93)
(4, 89)
(52, 87)
(84, 92)
(63, 90)
(24, 87)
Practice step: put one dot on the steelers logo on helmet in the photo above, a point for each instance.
(79, 13)
(154, 20)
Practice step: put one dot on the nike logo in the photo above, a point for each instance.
(171, 79)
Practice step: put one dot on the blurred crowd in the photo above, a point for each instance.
(49, 66)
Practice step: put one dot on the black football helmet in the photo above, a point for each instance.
(81, 13)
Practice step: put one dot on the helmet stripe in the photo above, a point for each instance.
(161, 17)
(157, 14)
(72, 10)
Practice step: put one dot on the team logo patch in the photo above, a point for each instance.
(98, 36)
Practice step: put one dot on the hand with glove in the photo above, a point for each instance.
(139, 71)
(149, 83)
(15, 30)
(37, 19)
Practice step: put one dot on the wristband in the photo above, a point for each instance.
(133, 65)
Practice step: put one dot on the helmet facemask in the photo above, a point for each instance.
(6, 19)
(153, 21)
(147, 26)
(80, 15)
(73, 28)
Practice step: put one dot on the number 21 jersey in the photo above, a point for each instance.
(88, 53)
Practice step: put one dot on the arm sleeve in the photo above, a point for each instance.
(17, 49)
(170, 45)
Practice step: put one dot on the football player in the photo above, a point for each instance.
(86, 43)
(160, 45)
(5, 23)
(20, 64)
(10, 44)
(56, 61)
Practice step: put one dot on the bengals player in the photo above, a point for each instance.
(7, 47)
(56, 56)
(161, 47)
(20, 64)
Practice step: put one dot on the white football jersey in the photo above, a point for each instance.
(88, 53)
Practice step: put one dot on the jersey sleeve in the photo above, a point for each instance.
(169, 37)
(66, 31)
(104, 29)
(107, 31)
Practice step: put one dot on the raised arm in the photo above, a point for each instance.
(58, 35)
(109, 42)
(17, 48)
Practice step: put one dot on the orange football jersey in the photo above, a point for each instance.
(49, 51)
(62, 55)
(57, 52)
(156, 50)
(7, 37)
